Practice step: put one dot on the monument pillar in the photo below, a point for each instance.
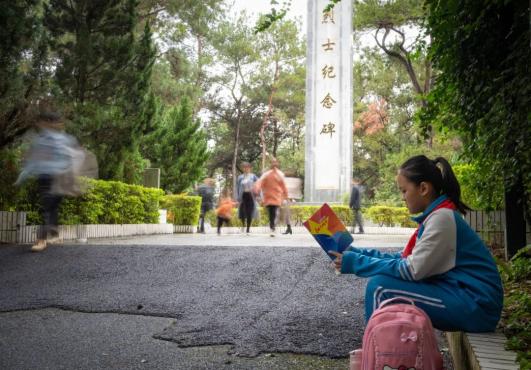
(328, 161)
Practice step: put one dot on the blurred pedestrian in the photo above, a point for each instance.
(286, 207)
(51, 159)
(355, 205)
(274, 191)
(224, 210)
(206, 191)
(248, 209)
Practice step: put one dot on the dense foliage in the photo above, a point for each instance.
(97, 63)
(23, 56)
(182, 209)
(516, 317)
(178, 147)
(484, 89)
(103, 75)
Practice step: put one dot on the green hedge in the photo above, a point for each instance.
(390, 216)
(299, 214)
(182, 209)
(112, 202)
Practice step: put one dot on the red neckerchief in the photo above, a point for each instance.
(413, 240)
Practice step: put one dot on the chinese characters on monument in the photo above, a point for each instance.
(328, 72)
(328, 102)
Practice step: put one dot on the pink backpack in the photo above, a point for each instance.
(400, 336)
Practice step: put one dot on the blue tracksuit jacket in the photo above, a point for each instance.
(450, 274)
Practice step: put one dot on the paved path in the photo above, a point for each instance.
(252, 240)
(179, 302)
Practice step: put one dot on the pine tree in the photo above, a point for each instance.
(180, 148)
(23, 52)
(104, 72)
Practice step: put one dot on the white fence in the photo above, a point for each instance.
(489, 225)
(13, 229)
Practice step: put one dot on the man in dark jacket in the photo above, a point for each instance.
(355, 205)
(206, 192)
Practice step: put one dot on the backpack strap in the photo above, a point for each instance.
(395, 299)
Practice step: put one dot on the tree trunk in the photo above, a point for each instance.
(199, 76)
(403, 56)
(268, 114)
(235, 157)
(515, 223)
(275, 138)
(83, 44)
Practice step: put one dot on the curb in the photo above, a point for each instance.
(480, 351)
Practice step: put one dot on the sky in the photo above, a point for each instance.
(298, 8)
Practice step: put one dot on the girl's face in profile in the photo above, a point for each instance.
(415, 196)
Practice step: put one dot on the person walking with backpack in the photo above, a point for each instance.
(49, 159)
(445, 268)
(206, 192)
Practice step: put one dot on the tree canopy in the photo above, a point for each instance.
(484, 89)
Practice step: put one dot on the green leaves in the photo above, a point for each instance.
(267, 20)
(182, 209)
(370, 14)
(179, 148)
(483, 89)
(23, 73)
(390, 216)
(112, 202)
(516, 316)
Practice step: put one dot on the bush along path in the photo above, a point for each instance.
(516, 316)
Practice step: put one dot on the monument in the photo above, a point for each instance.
(328, 162)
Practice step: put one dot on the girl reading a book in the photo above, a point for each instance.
(445, 267)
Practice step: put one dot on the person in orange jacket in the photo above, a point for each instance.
(274, 191)
(224, 210)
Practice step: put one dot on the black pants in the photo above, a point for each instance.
(49, 207)
(204, 210)
(357, 219)
(221, 220)
(272, 212)
(247, 209)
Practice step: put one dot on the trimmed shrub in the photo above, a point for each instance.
(390, 216)
(182, 209)
(112, 202)
(299, 214)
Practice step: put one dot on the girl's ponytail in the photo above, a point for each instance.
(450, 185)
(437, 172)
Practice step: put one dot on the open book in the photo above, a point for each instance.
(328, 230)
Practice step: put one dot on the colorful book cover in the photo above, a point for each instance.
(328, 230)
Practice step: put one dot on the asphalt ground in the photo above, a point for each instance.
(127, 304)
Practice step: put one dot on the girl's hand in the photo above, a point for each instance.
(337, 261)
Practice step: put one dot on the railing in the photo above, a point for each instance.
(10, 226)
(490, 225)
(13, 229)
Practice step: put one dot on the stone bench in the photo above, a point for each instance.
(481, 351)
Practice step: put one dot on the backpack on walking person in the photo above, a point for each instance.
(400, 336)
